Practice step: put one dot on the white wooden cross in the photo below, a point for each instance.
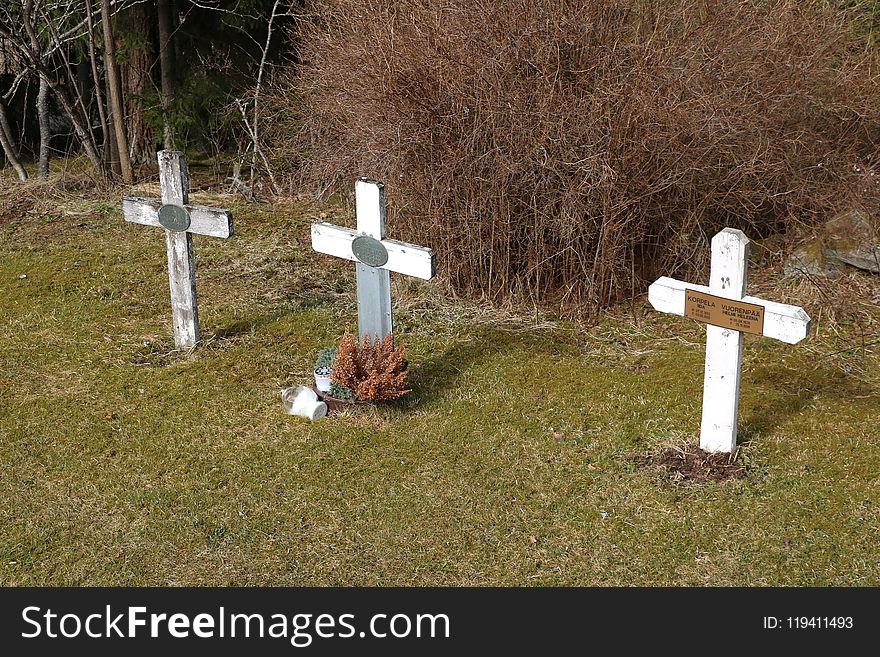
(180, 221)
(724, 306)
(375, 257)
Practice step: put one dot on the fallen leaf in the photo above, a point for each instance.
(110, 416)
(533, 539)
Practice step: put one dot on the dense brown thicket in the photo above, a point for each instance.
(567, 151)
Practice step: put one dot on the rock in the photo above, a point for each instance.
(852, 239)
(809, 260)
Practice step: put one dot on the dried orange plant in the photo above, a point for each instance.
(373, 371)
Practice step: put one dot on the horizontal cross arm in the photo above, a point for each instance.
(403, 258)
(204, 221)
(781, 321)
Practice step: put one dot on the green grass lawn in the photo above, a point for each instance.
(513, 462)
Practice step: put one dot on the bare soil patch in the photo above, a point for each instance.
(692, 464)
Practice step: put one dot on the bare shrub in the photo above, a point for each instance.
(568, 151)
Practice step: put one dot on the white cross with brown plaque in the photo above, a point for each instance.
(729, 313)
(375, 257)
(180, 220)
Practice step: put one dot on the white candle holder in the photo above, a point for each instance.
(304, 402)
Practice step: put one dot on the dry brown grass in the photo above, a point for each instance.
(565, 152)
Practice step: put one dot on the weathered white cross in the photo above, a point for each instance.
(180, 221)
(728, 313)
(375, 257)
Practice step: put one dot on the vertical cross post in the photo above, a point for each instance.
(373, 283)
(174, 182)
(728, 278)
(724, 306)
(179, 219)
(375, 256)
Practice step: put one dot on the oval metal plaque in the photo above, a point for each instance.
(369, 251)
(174, 217)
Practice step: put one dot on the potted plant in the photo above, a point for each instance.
(323, 368)
(371, 371)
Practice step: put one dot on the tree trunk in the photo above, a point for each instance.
(111, 152)
(115, 94)
(93, 60)
(45, 129)
(136, 29)
(165, 8)
(6, 141)
(4, 125)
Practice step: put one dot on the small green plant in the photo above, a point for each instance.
(341, 392)
(324, 361)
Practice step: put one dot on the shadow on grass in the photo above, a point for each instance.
(250, 326)
(793, 392)
(162, 352)
(443, 372)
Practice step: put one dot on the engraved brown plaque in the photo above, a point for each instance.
(726, 313)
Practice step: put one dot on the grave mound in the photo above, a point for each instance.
(692, 464)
